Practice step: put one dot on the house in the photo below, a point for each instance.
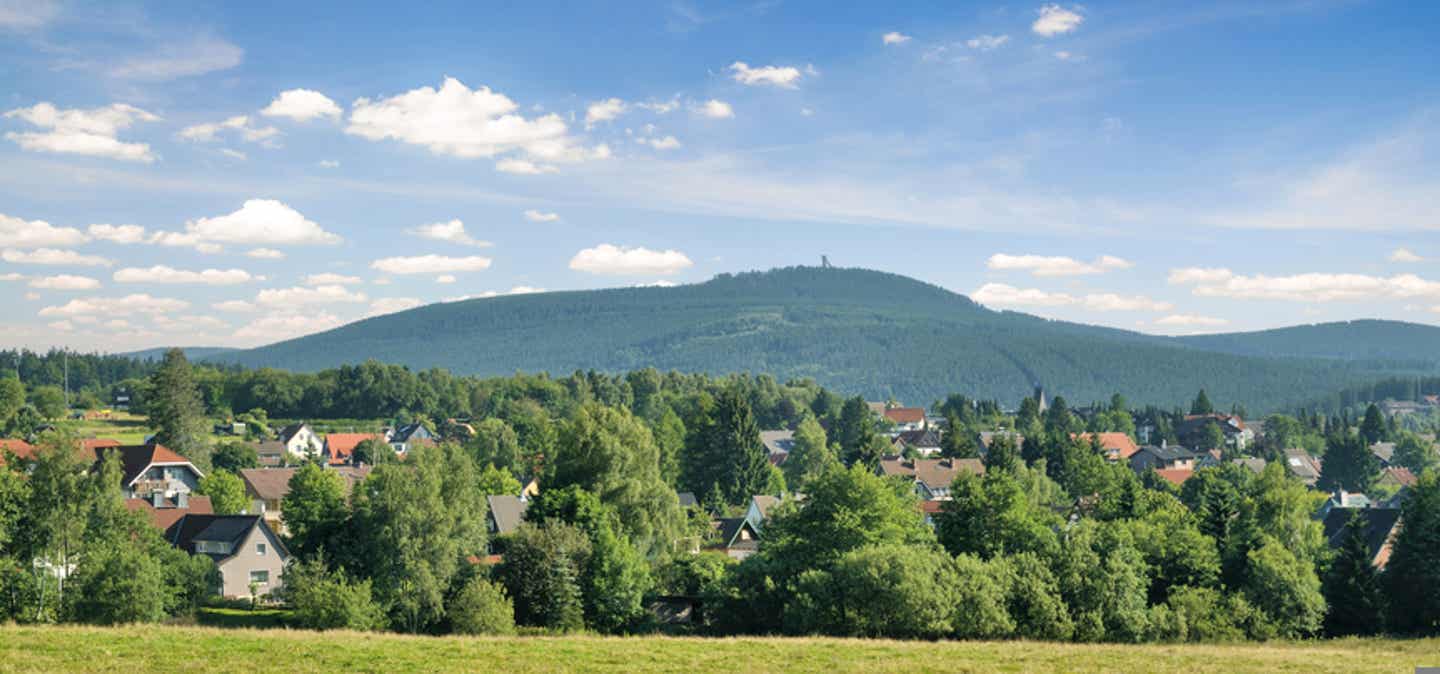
(1395, 478)
(17, 448)
(300, 440)
(930, 510)
(272, 453)
(735, 537)
(146, 469)
(410, 435)
(250, 557)
(1385, 451)
(1170, 457)
(506, 515)
(1381, 525)
(1117, 446)
(340, 447)
(932, 476)
(1175, 476)
(906, 418)
(164, 513)
(759, 510)
(778, 444)
(1191, 430)
(924, 442)
(266, 488)
(1255, 464)
(1343, 499)
(988, 437)
(1302, 465)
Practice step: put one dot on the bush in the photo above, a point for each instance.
(481, 607)
(325, 600)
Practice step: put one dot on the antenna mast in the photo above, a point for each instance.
(825, 262)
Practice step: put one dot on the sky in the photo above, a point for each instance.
(235, 174)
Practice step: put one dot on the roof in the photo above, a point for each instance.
(92, 444)
(16, 446)
(1379, 523)
(729, 529)
(230, 529)
(1176, 476)
(764, 503)
(1225, 420)
(272, 484)
(877, 408)
(906, 415)
(1116, 442)
(1168, 453)
(1402, 476)
(507, 512)
(987, 437)
(778, 442)
(1299, 462)
(170, 513)
(136, 459)
(403, 433)
(925, 438)
(1385, 451)
(1255, 464)
(930, 472)
(288, 433)
(687, 499)
(339, 446)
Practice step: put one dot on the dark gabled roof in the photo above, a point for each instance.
(403, 433)
(728, 530)
(1378, 523)
(136, 459)
(925, 438)
(1169, 452)
(230, 529)
(170, 513)
(289, 432)
(507, 512)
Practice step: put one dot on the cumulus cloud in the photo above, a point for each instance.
(302, 296)
(445, 278)
(65, 282)
(265, 254)
(259, 221)
(205, 133)
(282, 326)
(1404, 255)
(603, 111)
(1056, 20)
(1000, 294)
(449, 232)
(1191, 321)
(523, 167)
(661, 107)
(894, 37)
(19, 233)
(54, 256)
(626, 261)
(302, 105)
(91, 132)
(1198, 275)
(169, 275)
(331, 279)
(430, 264)
(126, 234)
(1317, 287)
(328, 163)
(196, 55)
(987, 42)
(139, 303)
(666, 143)
(390, 305)
(541, 216)
(786, 77)
(1042, 265)
(715, 109)
(235, 306)
(457, 121)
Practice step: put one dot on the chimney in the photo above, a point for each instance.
(157, 499)
(182, 500)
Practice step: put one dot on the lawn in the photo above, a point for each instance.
(185, 649)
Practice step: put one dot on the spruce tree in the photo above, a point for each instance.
(1352, 586)
(176, 411)
(1348, 465)
(1372, 428)
(1202, 404)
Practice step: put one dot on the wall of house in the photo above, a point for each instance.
(235, 570)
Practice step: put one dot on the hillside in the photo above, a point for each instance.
(857, 331)
(1349, 340)
(191, 352)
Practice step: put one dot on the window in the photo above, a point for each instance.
(261, 577)
(260, 549)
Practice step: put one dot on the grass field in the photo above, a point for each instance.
(200, 649)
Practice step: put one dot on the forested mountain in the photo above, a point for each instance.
(1349, 340)
(191, 352)
(852, 330)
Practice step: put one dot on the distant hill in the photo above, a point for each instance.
(191, 352)
(858, 331)
(1350, 340)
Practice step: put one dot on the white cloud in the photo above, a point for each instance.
(12, 276)
(1000, 294)
(1064, 55)
(18, 233)
(1319, 287)
(1114, 302)
(523, 167)
(515, 290)
(1056, 20)
(456, 121)
(199, 55)
(430, 264)
(163, 274)
(299, 296)
(91, 132)
(65, 282)
(138, 303)
(626, 261)
(1191, 321)
(987, 42)
(22, 15)
(1198, 275)
(390, 305)
(450, 232)
(715, 109)
(1404, 255)
(661, 107)
(540, 216)
(235, 306)
(234, 154)
(205, 133)
(1041, 265)
(302, 105)
(785, 77)
(603, 111)
(53, 256)
(266, 254)
(328, 163)
(62, 326)
(445, 278)
(259, 221)
(666, 143)
(279, 327)
(118, 233)
(894, 37)
(331, 279)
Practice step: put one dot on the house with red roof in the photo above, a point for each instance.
(1117, 446)
(150, 469)
(906, 418)
(340, 447)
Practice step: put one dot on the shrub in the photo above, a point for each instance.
(481, 607)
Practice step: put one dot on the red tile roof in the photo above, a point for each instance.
(136, 459)
(1116, 442)
(166, 516)
(16, 446)
(1176, 476)
(1402, 475)
(905, 415)
(91, 444)
(339, 446)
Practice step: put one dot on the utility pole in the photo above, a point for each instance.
(65, 358)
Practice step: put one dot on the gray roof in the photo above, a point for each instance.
(687, 499)
(1255, 464)
(1169, 452)
(1304, 466)
(1385, 451)
(230, 529)
(506, 512)
(778, 442)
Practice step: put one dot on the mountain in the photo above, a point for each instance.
(191, 352)
(857, 331)
(1348, 340)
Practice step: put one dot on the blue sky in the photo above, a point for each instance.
(240, 173)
